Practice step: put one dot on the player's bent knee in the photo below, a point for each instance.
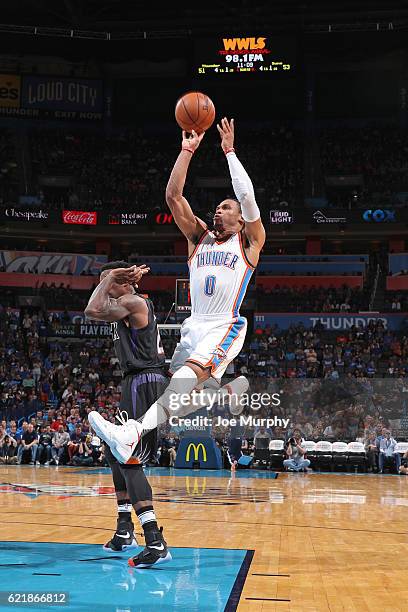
(200, 371)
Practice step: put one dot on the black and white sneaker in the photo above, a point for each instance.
(155, 553)
(123, 538)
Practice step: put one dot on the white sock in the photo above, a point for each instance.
(182, 383)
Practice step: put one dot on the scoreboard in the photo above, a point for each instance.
(263, 55)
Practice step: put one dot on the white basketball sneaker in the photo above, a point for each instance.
(121, 439)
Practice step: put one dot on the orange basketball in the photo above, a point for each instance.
(195, 111)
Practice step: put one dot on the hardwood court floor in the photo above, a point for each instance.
(322, 542)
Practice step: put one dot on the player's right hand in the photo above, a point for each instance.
(137, 273)
(131, 276)
(226, 132)
(191, 141)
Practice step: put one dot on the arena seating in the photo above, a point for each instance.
(327, 456)
(374, 152)
(130, 169)
(8, 168)
(39, 371)
(276, 453)
(356, 456)
(339, 455)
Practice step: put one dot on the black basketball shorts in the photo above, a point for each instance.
(139, 392)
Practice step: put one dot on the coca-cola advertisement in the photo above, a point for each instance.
(80, 217)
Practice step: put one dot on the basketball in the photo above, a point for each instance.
(195, 111)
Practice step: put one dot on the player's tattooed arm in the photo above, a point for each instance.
(191, 226)
(103, 307)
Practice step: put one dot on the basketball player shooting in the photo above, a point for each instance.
(141, 358)
(221, 262)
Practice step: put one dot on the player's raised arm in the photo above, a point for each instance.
(189, 224)
(244, 191)
(103, 307)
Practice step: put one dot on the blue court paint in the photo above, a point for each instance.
(198, 579)
(190, 472)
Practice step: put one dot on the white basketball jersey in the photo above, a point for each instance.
(219, 276)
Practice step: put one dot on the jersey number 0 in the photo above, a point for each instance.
(209, 285)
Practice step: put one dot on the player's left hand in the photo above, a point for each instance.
(226, 131)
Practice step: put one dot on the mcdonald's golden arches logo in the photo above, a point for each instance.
(196, 486)
(196, 449)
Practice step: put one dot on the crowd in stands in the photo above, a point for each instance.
(62, 298)
(396, 301)
(369, 352)
(124, 170)
(278, 299)
(377, 153)
(331, 384)
(129, 170)
(8, 168)
(312, 299)
(58, 383)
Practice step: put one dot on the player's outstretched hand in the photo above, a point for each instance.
(226, 131)
(137, 273)
(132, 275)
(191, 141)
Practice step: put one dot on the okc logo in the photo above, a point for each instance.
(219, 354)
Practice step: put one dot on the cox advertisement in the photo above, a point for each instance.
(331, 322)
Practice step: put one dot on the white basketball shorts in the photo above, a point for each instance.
(210, 342)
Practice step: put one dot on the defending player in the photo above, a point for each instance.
(141, 358)
(221, 264)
